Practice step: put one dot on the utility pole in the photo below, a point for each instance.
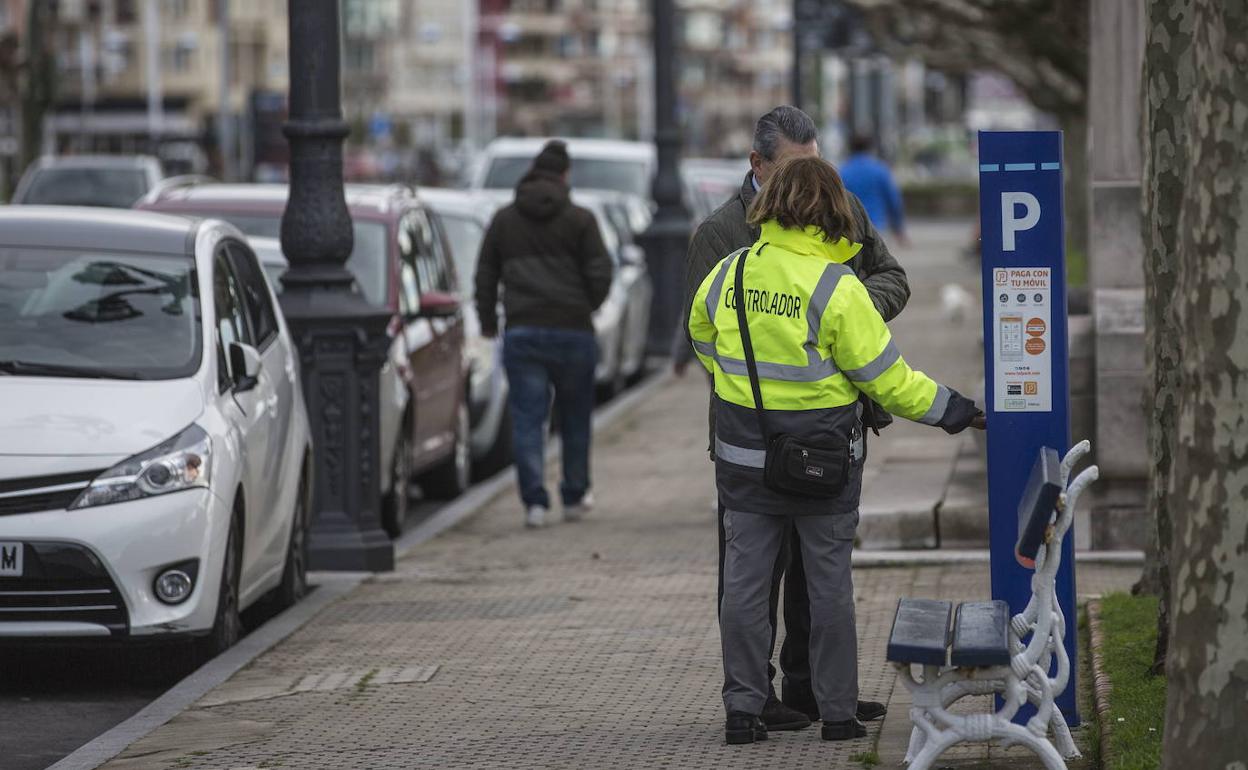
(155, 97)
(795, 82)
(40, 87)
(666, 241)
(342, 339)
(225, 129)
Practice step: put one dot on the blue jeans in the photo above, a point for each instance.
(539, 360)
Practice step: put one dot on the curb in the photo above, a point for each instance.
(484, 493)
(919, 557)
(330, 586)
(1100, 680)
(195, 685)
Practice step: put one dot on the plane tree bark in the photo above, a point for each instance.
(1168, 73)
(1197, 106)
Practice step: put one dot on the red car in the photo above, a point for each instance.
(402, 263)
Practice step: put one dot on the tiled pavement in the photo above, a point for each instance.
(581, 646)
(587, 645)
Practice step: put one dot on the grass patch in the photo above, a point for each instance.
(866, 758)
(1137, 700)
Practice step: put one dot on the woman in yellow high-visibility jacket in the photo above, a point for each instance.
(818, 342)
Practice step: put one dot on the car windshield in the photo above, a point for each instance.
(367, 261)
(628, 176)
(98, 314)
(110, 187)
(465, 235)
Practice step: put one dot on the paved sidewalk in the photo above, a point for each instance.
(586, 645)
(580, 646)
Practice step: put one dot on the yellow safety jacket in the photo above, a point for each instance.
(818, 341)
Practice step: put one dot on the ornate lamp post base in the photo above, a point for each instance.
(342, 345)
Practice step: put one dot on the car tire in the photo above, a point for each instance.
(499, 456)
(294, 583)
(397, 500)
(453, 475)
(227, 624)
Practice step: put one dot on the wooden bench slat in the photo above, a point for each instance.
(920, 632)
(981, 634)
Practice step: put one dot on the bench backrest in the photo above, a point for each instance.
(1035, 510)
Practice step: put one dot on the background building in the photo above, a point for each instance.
(157, 76)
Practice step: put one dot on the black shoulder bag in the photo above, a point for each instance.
(793, 466)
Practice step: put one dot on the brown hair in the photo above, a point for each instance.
(806, 191)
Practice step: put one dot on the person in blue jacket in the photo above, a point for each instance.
(870, 178)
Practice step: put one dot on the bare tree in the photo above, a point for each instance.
(1041, 45)
(1197, 110)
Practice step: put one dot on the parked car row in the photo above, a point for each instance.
(155, 452)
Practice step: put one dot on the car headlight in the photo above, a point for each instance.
(181, 462)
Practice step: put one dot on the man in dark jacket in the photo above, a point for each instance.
(555, 271)
(783, 133)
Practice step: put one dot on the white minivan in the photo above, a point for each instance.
(155, 455)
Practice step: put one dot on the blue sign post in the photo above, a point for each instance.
(1025, 349)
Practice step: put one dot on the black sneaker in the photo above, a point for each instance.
(778, 716)
(740, 727)
(869, 710)
(844, 731)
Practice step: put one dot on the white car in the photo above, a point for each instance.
(597, 164)
(114, 181)
(155, 455)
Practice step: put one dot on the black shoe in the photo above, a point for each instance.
(800, 698)
(778, 716)
(740, 727)
(869, 710)
(844, 731)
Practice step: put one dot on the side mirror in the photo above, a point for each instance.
(438, 304)
(244, 366)
(632, 255)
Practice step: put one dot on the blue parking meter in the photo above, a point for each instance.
(1027, 391)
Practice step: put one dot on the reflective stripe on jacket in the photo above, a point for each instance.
(818, 340)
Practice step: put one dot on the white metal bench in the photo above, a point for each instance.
(989, 652)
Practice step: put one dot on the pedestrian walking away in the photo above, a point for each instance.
(549, 257)
(791, 338)
(788, 132)
(867, 176)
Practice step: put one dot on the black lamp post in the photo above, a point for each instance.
(666, 241)
(341, 338)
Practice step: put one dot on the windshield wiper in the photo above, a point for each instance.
(39, 369)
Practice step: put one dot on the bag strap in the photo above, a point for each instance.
(743, 326)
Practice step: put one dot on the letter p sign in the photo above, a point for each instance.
(1010, 223)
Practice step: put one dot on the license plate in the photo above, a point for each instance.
(10, 559)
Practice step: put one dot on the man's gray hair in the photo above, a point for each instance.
(784, 122)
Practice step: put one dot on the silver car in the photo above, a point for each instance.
(464, 217)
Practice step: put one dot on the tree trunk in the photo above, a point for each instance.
(1207, 666)
(1165, 141)
(1075, 169)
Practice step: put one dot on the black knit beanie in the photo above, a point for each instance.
(553, 158)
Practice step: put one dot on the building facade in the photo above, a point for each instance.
(158, 75)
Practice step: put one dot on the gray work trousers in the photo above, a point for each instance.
(751, 544)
